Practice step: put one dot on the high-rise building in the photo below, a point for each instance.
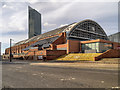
(34, 20)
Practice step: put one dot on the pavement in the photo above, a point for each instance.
(31, 74)
(80, 65)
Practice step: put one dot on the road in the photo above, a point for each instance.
(24, 75)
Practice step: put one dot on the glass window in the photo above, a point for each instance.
(97, 47)
(83, 47)
(87, 46)
(93, 46)
(105, 46)
(90, 46)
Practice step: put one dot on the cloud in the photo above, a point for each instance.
(55, 1)
(69, 12)
(14, 17)
(4, 6)
(59, 12)
(14, 23)
(15, 37)
(18, 21)
(5, 39)
(0, 19)
(33, 1)
(48, 25)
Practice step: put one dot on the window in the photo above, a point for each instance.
(90, 46)
(93, 46)
(97, 47)
(93, 28)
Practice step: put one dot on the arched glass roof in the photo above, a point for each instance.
(84, 30)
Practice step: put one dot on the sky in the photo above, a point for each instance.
(55, 13)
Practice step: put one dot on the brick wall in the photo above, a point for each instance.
(56, 52)
(62, 46)
(53, 54)
(49, 54)
(73, 46)
(51, 57)
(60, 40)
(112, 53)
(18, 49)
(42, 52)
(33, 49)
(115, 45)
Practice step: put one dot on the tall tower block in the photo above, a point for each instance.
(34, 20)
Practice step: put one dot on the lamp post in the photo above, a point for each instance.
(10, 50)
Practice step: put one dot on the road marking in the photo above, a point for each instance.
(62, 79)
(22, 71)
(67, 79)
(41, 73)
(34, 74)
(115, 87)
(102, 81)
(18, 67)
(73, 78)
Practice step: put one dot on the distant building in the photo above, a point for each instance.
(34, 20)
(115, 37)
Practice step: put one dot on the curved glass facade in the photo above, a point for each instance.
(88, 30)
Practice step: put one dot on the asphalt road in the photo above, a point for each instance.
(24, 75)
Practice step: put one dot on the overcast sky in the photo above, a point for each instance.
(14, 16)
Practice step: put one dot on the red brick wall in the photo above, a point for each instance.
(115, 45)
(33, 49)
(62, 46)
(60, 40)
(73, 46)
(112, 53)
(49, 54)
(51, 57)
(18, 48)
(56, 52)
(80, 47)
(42, 52)
(53, 47)
(36, 53)
(7, 51)
(53, 54)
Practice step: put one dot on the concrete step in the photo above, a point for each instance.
(79, 56)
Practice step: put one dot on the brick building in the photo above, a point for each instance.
(83, 37)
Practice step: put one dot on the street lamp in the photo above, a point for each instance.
(10, 50)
